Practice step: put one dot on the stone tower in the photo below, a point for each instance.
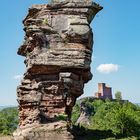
(104, 91)
(57, 47)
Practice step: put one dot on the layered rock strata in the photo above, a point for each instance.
(57, 46)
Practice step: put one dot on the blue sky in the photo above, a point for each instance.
(116, 41)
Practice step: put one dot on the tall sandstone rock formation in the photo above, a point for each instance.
(57, 46)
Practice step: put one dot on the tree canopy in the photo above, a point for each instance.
(8, 120)
(121, 118)
(118, 95)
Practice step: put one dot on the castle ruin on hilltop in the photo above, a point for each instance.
(104, 92)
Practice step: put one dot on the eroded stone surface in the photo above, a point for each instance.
(50, 131)
(58, 47)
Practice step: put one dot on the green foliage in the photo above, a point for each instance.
(99, 120)
(125, 120)
(88, 104)
(118, 96)
(8, 120)
(62, 117)
(75, 113)
(121, 118)
(96, 104)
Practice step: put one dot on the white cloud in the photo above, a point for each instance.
(107, 68)
(18, 77)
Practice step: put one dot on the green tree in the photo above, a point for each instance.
(8, 120)
(121, 119)
(97, 104)
(124, 120)
(100, 120)
(118, 96)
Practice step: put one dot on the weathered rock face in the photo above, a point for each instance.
(85, 111)
(57, 46)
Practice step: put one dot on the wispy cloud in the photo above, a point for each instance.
(17, 77)
(107, 68)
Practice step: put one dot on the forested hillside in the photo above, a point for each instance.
(104, 119)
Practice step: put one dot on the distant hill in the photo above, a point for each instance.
(2, 107)
(138, 104)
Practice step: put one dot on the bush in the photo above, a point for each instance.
(8, 120)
